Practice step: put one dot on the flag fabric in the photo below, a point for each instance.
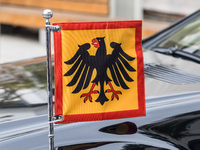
(99, 71)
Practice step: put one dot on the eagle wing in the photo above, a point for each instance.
(119, 66)
(82, 67)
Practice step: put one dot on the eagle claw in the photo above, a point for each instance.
(88, 95)
(86, 100)
(115, 93)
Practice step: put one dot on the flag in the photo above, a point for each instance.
(99, 71)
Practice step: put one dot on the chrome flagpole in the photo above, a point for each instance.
(47, 14)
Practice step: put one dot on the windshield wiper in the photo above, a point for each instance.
(174, 51)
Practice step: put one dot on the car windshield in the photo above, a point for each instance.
(186, 39)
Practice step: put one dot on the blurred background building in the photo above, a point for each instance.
(22, 24)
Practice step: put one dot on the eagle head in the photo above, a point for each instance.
(97, 41)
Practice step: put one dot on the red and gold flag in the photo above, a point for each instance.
(99, 71)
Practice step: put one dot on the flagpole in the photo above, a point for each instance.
(47, 14)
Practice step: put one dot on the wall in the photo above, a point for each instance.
(180, 7)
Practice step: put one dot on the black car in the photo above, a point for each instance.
(172, 89)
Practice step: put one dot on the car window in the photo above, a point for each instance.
(187, 38)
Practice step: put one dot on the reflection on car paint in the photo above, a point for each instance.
(182, 131)
(120, 129)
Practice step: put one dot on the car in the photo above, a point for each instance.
(172, 91)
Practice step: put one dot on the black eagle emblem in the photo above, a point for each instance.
(117, 63)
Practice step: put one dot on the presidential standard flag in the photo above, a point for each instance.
(99, 71)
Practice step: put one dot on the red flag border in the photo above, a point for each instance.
(58, 71)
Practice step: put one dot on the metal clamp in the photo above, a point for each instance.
(53, 28)
(58, 118)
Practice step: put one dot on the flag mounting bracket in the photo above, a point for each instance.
(58, 118)
(53, 28)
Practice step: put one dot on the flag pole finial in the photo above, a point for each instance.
(47, 14)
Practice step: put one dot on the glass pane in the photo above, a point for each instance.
(187, 38)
